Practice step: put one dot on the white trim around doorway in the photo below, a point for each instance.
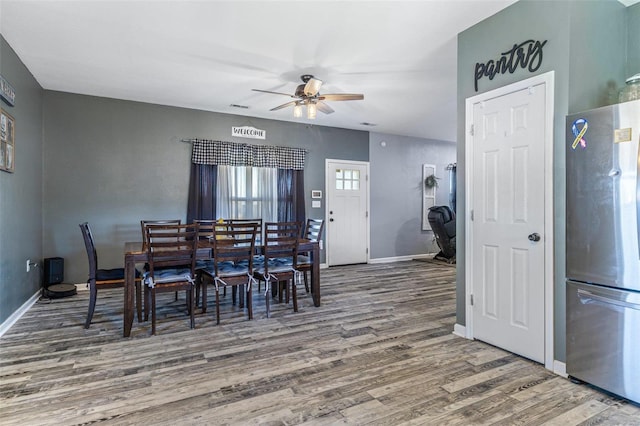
(547, 79)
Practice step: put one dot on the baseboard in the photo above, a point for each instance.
(560, 368)
(402, 258)
(460, 330)
(8, 323)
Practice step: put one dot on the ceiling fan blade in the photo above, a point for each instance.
(288, 104)
(322, 107)
(342, 97)
(312, 87)
(273, 93)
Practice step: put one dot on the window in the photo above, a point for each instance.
(347, 180)
(247, 192)
(238, 180)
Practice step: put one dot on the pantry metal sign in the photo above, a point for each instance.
(526, 55)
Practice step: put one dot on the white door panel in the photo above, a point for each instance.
(347, 221)
(508, 204)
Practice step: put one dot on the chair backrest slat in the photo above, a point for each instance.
(258, 223)
(313, 229)
(281, 239)
(205, 231)
(144, 223)
(234, 242)
(171, 245)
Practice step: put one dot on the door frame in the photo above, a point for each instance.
(327, 180)
(548, 79)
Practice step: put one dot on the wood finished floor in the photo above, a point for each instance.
(380, 350)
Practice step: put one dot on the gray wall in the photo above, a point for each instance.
(633, 43)
(112, 162)
(597, 52)
(586, 48)
(21, 192)
(396, 195)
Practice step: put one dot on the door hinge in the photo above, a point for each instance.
(471, 130)
(366, 214)
(471, 299)
(471, 215)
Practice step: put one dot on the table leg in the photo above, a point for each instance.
(129, 293)
(315, 274)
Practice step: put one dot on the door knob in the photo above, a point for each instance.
(534, 237)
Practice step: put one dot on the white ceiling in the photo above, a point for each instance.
(208, 55)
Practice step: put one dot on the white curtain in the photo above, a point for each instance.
(223, 191)
(247, 193)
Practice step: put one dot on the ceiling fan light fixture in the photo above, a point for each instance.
(311, 111)
(297, 111)
(312, 86)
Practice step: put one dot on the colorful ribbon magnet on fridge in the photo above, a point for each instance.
(578, 134)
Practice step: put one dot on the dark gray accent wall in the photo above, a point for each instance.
(21, 192)
(113, 162)
(586, 49)
(396, 192)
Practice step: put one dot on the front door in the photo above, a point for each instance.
(347, 215)
(508, 257)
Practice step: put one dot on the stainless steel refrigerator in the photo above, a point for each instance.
(603, 248)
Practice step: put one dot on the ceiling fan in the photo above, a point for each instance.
(308, 94)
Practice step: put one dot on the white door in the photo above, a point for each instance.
(347, 215)
(508, 257)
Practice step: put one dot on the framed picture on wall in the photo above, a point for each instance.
(429, 186)
(7, 142)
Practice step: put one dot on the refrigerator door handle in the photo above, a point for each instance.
(638, 198)
(585, 294)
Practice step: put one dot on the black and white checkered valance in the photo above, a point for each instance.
(240, 154)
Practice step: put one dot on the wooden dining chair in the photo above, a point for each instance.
(205, 237)
(232, 264)
(171, 250)
(143, 224)
(312, 232)
(278, 262)
(103, 278)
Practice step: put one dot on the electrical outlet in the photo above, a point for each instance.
(28, 265)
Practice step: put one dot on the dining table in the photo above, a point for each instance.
(134, 253)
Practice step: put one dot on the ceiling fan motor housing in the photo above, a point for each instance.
(300, 91)
(306, 77)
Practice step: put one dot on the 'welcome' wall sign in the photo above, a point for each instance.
(248, 132)
(527, 54)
